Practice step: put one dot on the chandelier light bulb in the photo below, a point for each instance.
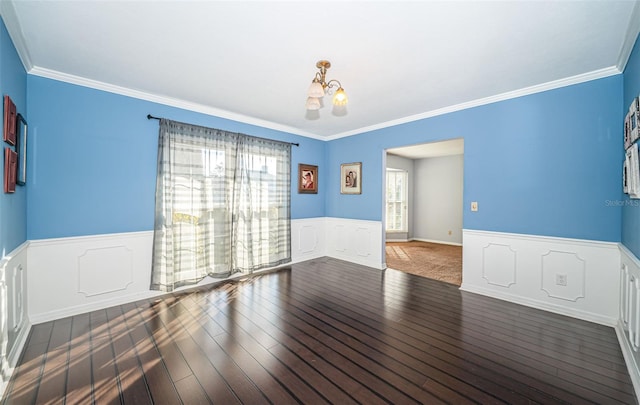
(340, 98)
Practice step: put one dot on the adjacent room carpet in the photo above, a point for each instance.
(432, 260)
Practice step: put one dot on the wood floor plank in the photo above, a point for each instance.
(53, 383)
(321, 331)
(133, 384)
(191, 392)
(155, 370)
(79, 371)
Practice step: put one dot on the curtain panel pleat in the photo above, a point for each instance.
(222, 204)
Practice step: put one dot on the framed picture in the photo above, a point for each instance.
(10, 163)
(351, 178)
(21, 149)
(9, 133)
(307, 179)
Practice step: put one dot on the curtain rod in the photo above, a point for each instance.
(151, 117)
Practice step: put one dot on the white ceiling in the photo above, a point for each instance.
(253, 61)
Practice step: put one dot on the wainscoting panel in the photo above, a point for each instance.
(307, 239)
(499, 265)
(356, 241)
(14, 321)
(579, 278)
(68, 276)
(563, 275)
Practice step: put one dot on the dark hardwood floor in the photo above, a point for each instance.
(323, 331)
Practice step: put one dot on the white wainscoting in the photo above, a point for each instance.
(14, 320)
(356, 241)
(68, 276)
(308, 239)
(579, 278)
(628, 326)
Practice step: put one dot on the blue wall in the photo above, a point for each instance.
(631, 208)
(13, 207)
(94, 160)
(543, 164)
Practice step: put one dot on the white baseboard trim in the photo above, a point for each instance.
(92, 306)
(441, 242)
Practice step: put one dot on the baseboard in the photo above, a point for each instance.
(441, 242)
(363, 261)
(92, 306)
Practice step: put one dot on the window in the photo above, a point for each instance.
(396, 213)
(222, 205)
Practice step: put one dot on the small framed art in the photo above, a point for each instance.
(351, 178)
(10, 163)
(9, 133)
(307, 179)
(21, 149)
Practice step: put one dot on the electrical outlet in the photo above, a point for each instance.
(561, 279)
(474, 206)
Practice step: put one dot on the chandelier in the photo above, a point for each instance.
(319, 87)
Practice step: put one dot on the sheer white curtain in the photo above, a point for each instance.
(222, 204)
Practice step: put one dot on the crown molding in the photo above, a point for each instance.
(10, 19)
(633, 30)
(169, 101)
(585, 77)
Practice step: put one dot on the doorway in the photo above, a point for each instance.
(424, 190)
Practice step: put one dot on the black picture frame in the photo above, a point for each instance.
(22, 130)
